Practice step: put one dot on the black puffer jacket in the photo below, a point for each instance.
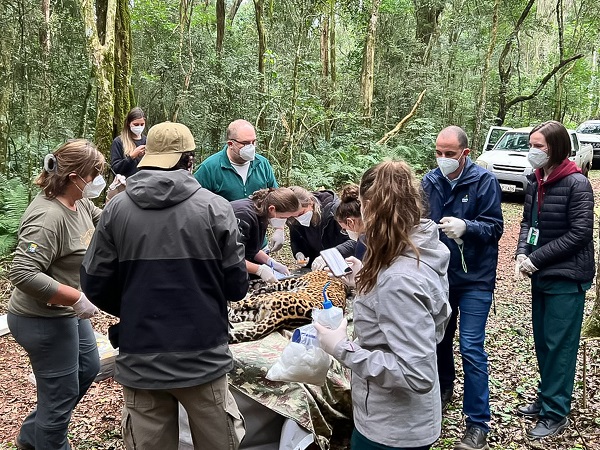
(326, 234)
(566, 224)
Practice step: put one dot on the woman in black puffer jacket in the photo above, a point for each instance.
(556, 249)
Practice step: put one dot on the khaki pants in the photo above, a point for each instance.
(150, 417)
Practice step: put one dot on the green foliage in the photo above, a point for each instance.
(14, 198)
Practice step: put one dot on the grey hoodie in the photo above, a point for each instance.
(395, 388)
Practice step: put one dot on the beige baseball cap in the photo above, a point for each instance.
(165, 143)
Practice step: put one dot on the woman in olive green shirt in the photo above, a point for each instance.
(47, 313)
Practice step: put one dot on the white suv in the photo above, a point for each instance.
(508, 159)
(589, 133)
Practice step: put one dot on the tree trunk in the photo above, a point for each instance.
(186, 63)
(481, 102)
(368, 66)
(45, 30)
(123, 52)
(505, 65)
(591, 326)
(261, 122)
(220, 11)
(427, 13)
(103, 61)
(6, 85)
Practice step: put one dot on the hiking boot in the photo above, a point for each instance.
(22, 446)
(475, 438)
(531, 409)
(446, 395)
(547, 427)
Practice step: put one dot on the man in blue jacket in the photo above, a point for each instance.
(465, 200)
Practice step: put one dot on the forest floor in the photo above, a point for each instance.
(513, 374)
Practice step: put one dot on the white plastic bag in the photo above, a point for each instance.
(302, 361)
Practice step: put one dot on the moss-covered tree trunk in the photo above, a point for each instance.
(102, 54)
(123, 52)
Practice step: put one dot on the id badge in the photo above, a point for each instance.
(533, 236)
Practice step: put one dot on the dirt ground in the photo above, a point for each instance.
(513, 374)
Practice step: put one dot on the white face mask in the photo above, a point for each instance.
(277, 222)
(305, 218)
(448, 165)
(137, 130)
(248, 152)
(537, 158)
(94, 188)
(352, 235)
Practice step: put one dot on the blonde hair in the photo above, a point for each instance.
(391, 205)
(283, 199)
(126, 133)
(75, 156)
(306, 199)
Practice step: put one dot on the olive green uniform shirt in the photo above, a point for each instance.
(52, 242)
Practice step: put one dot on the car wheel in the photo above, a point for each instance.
(586, 170)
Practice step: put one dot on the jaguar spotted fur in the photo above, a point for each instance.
(285, 304)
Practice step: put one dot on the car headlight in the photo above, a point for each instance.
(483, 164)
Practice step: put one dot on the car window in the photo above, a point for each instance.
(513, 142)
(589, 128)
(574, 144)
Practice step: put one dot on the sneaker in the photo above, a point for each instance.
(446, 395)
(547, 427)
(531, 409)
(475, 438)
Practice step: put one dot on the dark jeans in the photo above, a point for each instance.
(359, 442)
(473, 307)
(557, 319)
(64, 359)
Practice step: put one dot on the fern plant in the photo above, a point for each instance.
(14, 198)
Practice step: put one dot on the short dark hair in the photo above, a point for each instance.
(558, 140)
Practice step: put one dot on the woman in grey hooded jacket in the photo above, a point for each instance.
(400, 314)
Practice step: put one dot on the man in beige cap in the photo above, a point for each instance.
(166, 258)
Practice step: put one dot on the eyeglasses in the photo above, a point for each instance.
(252, 142)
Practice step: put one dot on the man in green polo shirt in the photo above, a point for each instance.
(237, 171)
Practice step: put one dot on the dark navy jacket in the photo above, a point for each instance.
(565, 248)
(476, 199)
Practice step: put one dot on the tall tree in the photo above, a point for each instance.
(368, 67)
(481, 101)
(261, 122)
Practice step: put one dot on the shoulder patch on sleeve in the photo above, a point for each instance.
(32, 248)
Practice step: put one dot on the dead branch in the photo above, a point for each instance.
(390, 134)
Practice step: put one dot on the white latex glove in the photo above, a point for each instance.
(527, 266)
(453, 227)
(84, 308)
(266, 274)
(520, 258)
(355, 264)
(318, 263)
(301, 260)
(278, 266)
(277, 240)
(329, 339)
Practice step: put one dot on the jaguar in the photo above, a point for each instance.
(285, 304)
